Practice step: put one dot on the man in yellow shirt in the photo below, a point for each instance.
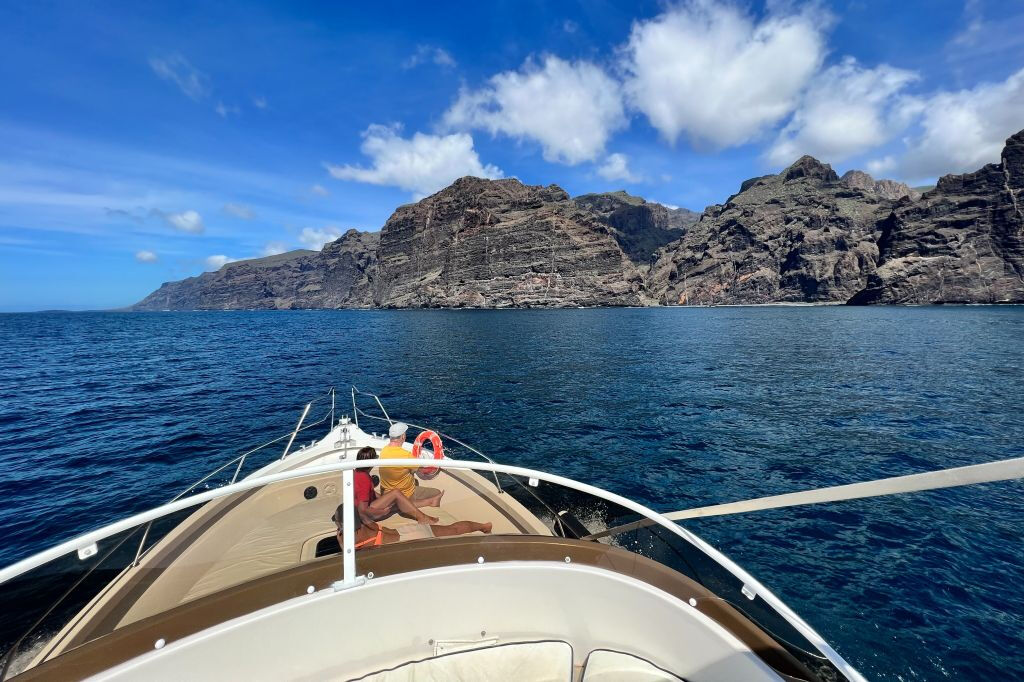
(401, 478)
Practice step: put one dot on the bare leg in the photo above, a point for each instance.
(384, 504)
(460, 528)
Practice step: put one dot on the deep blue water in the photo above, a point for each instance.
(105, 414)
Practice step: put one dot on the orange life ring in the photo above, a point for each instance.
(427, 473)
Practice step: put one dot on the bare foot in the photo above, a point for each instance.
(427, 518)
(485, 527)
(434, 501)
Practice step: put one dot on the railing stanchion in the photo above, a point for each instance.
(296, 431)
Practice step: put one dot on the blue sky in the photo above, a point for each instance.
(144, 143)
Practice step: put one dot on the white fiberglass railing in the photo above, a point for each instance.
(70, 595)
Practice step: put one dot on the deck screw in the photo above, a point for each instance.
(479, 559)
(568, 560)
(159, 644)
(310, 590)
(693, 602)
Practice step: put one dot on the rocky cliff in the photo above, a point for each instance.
(640, 227)
(499, 244)
(962, 242)
(804, 235)
(335, 277)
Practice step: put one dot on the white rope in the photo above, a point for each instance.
(1003, 470)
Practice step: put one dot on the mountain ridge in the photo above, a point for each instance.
(804, 235)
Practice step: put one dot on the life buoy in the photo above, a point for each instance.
(427, 473)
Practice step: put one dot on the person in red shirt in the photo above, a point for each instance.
(372, 507)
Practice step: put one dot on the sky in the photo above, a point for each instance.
(144, 142)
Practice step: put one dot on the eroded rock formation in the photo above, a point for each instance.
(803, 235)
(962, 242)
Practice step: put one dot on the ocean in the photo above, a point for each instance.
(106, 414)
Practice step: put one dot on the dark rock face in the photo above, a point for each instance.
(962, 242)
(800, 236)
(887, 189)
(499, 244)
(640, 227)
(803, 236)
(336, 277)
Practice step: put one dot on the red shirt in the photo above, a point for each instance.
(364, 491)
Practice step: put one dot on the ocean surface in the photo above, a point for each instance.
(106, 414)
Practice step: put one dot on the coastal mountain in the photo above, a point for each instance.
(962, 242)
(804, 235)
(640, 227)
(335, 277)
(501, 244)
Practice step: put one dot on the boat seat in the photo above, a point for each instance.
(613, 666)
(546, 661)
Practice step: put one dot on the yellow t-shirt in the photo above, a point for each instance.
(396, 478)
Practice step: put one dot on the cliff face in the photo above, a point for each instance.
(962, 242)
(640, 227)
(498, 244)
(803, 235)
(336, 277)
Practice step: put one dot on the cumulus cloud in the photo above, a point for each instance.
(616, 167)
(319, 190)
(274, 248)
(176, 69)
(239, 211)
(961, 131)
(186, 221)
(145, 256)
(570, 108)
(710, 71)
(429, 53)
(846, 109)
(313, 238)
(218, 261)
(421, 164)
(259, 102)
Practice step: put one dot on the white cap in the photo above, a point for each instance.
(398, 430)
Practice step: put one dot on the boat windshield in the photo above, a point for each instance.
(137, 585)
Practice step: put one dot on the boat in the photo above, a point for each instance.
(248, 576)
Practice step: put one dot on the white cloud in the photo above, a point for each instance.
(239, 211)
(616, 167)
(217, 262)
(186, 221)
(961, 131)
(224, 110)
(845, 110)
(421, 164)
(711, 72)
(274, 248)
(145, 257)
(570, 108)
(319, 190)
(259, 102)
(429, 53)
(882, 166)
(176, 69)
(313, 238)
(570, 26)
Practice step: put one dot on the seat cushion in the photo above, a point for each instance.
(613, 666)
(547, 661)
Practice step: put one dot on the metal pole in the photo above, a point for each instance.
(330, 427)
(348, 532)
(296, 431)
